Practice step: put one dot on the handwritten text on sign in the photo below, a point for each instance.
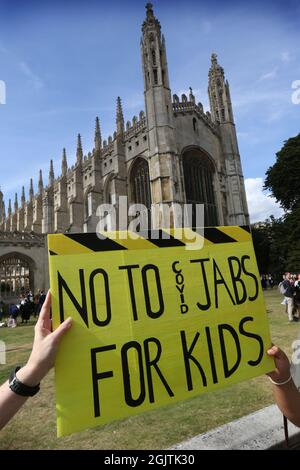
(151, 327)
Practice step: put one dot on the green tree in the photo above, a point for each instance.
(261, 245)
(279, 246)
(283, 178)
(271, 246)
(292, 230)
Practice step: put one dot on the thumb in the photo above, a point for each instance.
(62, 329)
(275, 351)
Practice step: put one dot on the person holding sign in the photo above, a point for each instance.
(24, 381)
(285, 391)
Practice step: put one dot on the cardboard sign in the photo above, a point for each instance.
(153, 322)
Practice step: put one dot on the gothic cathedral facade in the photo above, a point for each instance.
(174, 152)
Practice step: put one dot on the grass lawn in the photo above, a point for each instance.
(34, 427)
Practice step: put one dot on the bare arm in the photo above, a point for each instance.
(42, 357)
(286, 396)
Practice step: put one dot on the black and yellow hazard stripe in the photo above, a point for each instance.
(79, 243)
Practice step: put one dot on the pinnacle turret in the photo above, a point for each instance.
(97, 139)
(9, 208)
(3, 211)
(51, 173)
(41, 185)
(23, 198)
(64, 163)
(31, 191)
(191, 95)
(79, 152)
(16, 204)
(219, 94)
(120, 117)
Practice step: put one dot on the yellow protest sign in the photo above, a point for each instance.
(153, 322)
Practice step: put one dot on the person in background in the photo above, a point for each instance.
(36, 305)
(297, 296)
(25, 310)
(263, 282)
(1, 310)
(13, 315)
(271, 281)
(41, 300)
(25, 381)
(29, 296)
(288, 286)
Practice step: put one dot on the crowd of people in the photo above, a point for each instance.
(267, 280)
(290, 288)
(28, 305)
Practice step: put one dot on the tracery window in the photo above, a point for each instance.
(198, 177)
(140, 183)
(15, 276)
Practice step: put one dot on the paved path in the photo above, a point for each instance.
(262, 429)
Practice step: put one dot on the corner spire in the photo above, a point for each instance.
(149, 11)
(16, 205)
(120, 117)
(214, 59)
(154, 54)
(41, 185)
(79, 152)
(23, 199)
(64, 163)
(97, 139)
(9, 207)
(191, 96)
(31, 191)
(51, 173)
(3, 211)
(219, 94)
(150, 18)
(215, 68)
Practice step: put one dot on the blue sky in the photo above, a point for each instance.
(63, 63)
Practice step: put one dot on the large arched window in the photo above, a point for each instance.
(109, 191)
(16, 275)
(88, 205)
(140, 183)
(198, 178)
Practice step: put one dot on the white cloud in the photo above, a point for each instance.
(269, 75)
(260, 204)
(251, 138)
(275, 115)
(244, 98)
(34, 79)
(285, 56)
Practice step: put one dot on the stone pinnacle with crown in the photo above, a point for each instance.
(79, 152)
(64, 163)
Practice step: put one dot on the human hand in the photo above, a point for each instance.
(45, 346)
(282, 371)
